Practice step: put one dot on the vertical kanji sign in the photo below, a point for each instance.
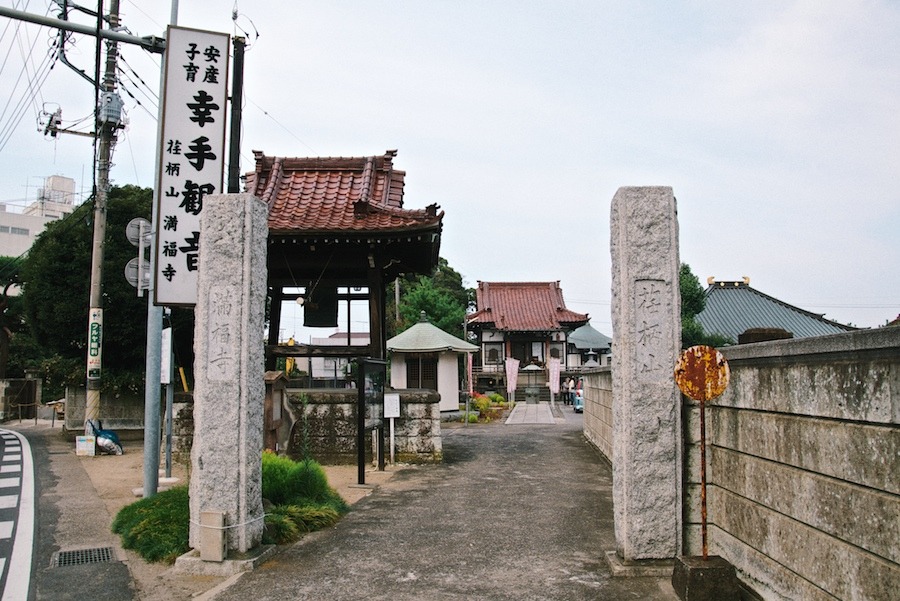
(192, 155)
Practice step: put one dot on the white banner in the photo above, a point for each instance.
(192, 156)
(512, 376)
(554, 366)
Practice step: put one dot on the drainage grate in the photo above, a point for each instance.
(82, 556)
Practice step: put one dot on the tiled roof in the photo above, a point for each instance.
(586, 337)
(734, 307)
(335, 194)
(523, 307)
(424, 337)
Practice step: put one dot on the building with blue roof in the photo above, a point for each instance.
(733, 308)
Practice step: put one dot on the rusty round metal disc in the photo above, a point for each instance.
(702, 373)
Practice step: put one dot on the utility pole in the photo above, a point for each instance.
(109, 120)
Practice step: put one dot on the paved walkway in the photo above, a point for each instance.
(531, 413)
(515, 512)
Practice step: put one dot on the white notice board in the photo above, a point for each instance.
(392, 404)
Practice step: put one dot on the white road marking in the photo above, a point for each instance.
(20, 563)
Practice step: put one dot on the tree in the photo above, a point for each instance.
(56, 293)
(693, 301)
(442, 296)
(693, 298)
(437, 304)
(11, 317)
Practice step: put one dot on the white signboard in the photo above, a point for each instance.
(192, 156)
(95, 343)
(165, 359)
(391, 405)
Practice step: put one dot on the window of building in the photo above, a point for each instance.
(421, 372)
(493, 353)
(21, 231)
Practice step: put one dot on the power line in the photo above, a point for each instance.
(280, 124)
(32, 89)
(150, 92)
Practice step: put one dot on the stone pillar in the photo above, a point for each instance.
(229, 388)
(646, 314)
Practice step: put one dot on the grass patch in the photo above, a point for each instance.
(297, 494)
(156, 527)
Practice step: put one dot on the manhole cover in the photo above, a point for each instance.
(82, 556)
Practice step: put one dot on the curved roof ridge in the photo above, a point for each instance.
(331, 195)
(273, 181)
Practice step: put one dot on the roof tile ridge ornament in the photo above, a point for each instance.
(388, 168)
(368, 208)
(272, 184)
(259, 160)
(368, 181)
(361, 209)
(556, 291)
(485, 288)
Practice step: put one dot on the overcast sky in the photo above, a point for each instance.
(776, 123)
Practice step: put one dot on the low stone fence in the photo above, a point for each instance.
(598, 423)
(330, 426)
(804, 467)
(325, 420)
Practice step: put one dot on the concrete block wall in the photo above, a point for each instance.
(804, 467)
(123, 414)
(598, 398)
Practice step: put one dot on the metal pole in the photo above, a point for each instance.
(106, 125)
(361, 425)
(154, 319)
(703, 477)
(150, 43)
(170, 398)
(237, 94)
(392, 441)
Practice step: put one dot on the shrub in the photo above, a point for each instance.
(481, 402)
(312, 483)
(304, 483)
(497, 398)
(156, 527)
(279, 482)
(286, 523)
(280, 528)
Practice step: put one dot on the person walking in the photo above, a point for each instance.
(570, 391)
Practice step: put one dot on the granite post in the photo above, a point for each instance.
(229, 391)
(646, 314)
